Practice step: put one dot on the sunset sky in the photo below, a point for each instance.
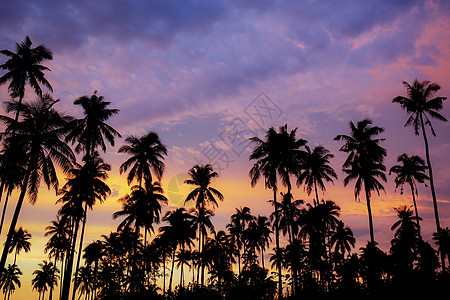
(196, 71)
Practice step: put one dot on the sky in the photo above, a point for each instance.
(199, 72)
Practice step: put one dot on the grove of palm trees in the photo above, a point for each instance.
(301, 248)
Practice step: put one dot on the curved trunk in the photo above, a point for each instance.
(12, 226)
(433, 192)
(415, 205)
(4, 210)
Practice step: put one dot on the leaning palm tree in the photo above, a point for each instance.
(20, 241)
(24, 67)
(147, 155)
(411, 169)
(9, 279)
(420, 104)
(90, 131)
(364, 162)
(315, 169)
(41, 131)
(203, 194)
(278, 156)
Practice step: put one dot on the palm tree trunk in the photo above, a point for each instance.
(164, 273)
(171, 271)
(4, 210)
(15, 218)
(262, 257)
(277, 244)
(315, 189)
(415, 205)
(50, 297)
(433, 192)
(369, 212)
(80, 249)
(69, 264)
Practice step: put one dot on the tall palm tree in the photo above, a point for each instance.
(315, 169)
(90, 131)
(238, 223)
(278, 156)
(420, 104)
(20, 241)
(24, 67)
(203, 194)
(263, 234)
(411, 169)
(9, 279)
(85, 185)
(364, 162)
(41, 131)
(45, 278)
(93, 253)
(147, 156)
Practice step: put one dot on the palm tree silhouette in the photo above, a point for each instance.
(279, 155)
(142, 207)
(420, 105)
(20, 241)
(238, 223)
(41, 132)
(315, 169)
(147, 156)
(93, 253)
(201, 177)
(9, 279)
(24, 67)
(342, 239)
(412, 169)
(85, 185)
(45, 278)
(180, 232)
(90, 131)
(364, 162)
(59, 242)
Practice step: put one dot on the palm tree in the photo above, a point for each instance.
(279, 155)
(180, 231)
(263, 235)
(85, 185)
(142, 207)
(93, 253)
(315, 169)
(9, 279)
(342, 239)
(238, 223)
(59, 241)
(24, 67)
(364, 162)
(147, 155)
(89, 131)
(41, 132)
(45, 278)
(201, 177)
(20, 241)
(420, 104)
(412, 169)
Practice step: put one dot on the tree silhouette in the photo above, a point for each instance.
(412, 169)
(24, 67)
(45, 278)
(9, 279)
(364, 162)
(277, 156)
(41, 132)
(20, 241)
(420, 105)
(315, 169)
(201, 177)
